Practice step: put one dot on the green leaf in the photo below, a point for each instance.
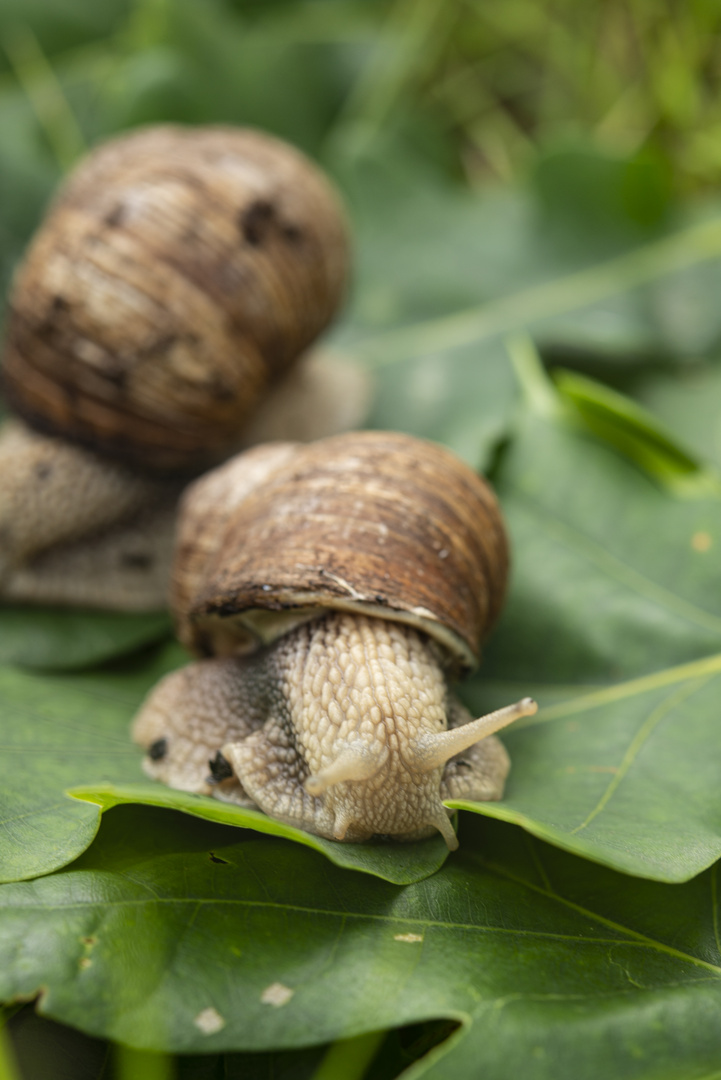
(595, 193)
(689, 403)
(626, 775)
(57, 732)
(614, 623)
(613, 576)
(66, 638)
(62, 26)
(553, 966)
(60, 733)
(637, 434)
(398, 863)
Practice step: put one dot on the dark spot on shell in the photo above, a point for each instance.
(115, 373)
(220, 389)
(255, 221)
(217, 859)
(220, 769)
(116, 216)
(60, 303)
(293, 235)
(161, 346)
(158, 749)
(43, 470)
(136, 560)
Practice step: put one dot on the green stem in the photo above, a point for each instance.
(519, 311)
(538, 390)
(8, 1065)
(131, 1064)
(348, 1059)
(47, 97)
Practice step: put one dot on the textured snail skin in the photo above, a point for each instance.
(75, 528)
(339, 729)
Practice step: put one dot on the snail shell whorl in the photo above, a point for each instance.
(375, 522)
(179, 271)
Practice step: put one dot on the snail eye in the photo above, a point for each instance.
(158, 749)
(220, 769)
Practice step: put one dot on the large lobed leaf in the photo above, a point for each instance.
(215, 939)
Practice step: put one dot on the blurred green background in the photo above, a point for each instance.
(481, 87)
(483, 93)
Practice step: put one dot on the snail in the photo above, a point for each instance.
(177, 278)
(334, 590)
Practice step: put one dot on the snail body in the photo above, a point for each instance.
(337, 589)
(177, 278)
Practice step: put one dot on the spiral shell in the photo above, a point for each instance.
(374, 522)
(179, 272)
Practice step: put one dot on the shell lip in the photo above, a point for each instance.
(285, 609)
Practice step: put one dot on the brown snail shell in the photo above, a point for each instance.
(179, 272)
(378, 523)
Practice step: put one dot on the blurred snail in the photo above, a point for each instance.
(178, 276)
(335, 589)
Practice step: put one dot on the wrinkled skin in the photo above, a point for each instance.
(345, 727)
(76, 528)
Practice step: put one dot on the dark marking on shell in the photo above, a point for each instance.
(221, 390)
(43, 470)
(116, 216)
(256, 221)
(293, 234)
(115, 372)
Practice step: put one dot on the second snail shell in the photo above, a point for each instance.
(178, 274)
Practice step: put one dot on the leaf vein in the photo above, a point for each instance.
(641, 737)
